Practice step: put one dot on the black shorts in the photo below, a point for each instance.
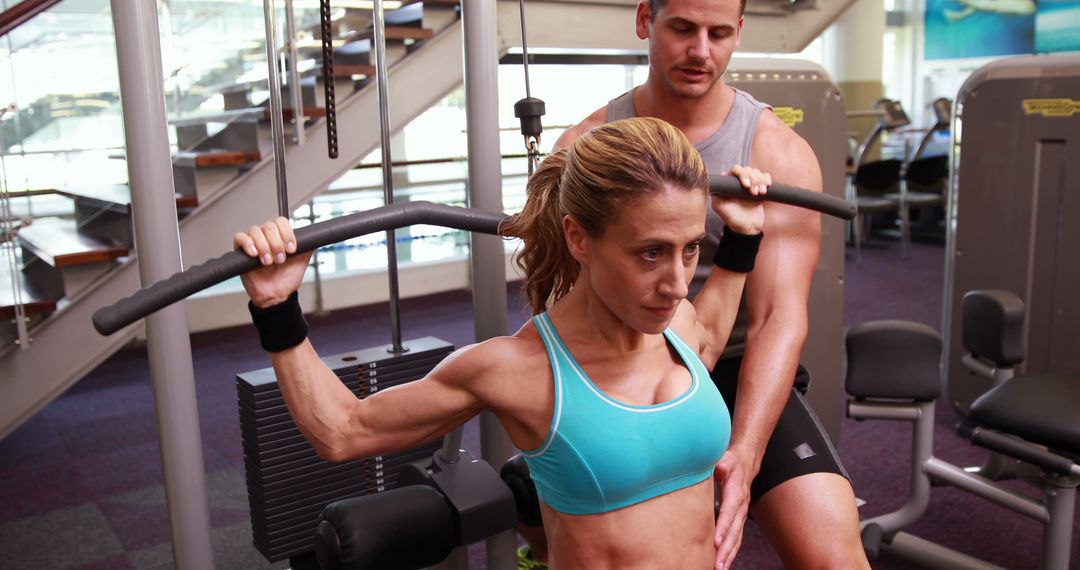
(798, 446)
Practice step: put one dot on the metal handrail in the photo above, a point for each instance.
(22, 12)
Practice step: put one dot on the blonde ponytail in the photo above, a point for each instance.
(549, 269)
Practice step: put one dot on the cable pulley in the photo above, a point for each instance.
(530, 109)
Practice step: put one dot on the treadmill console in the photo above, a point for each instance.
(893, 116)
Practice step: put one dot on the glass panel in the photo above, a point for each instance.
(61, 77)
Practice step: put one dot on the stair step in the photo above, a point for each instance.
(216, 158)
(34, 300)
(287, 113)
(396, 33)
(348, 70)
(58, 243)
(116, 197)
(433, 3)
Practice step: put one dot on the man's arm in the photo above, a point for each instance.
(776, 295)
(777, 291)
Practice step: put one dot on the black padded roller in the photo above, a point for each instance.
(729, 187)
(406, 528)
(993, 326)
(515, 473)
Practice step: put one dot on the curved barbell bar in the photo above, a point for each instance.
(729, 187)
(107, 320)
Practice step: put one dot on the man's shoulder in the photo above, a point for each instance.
(598, 117)
(774, 133)
(777, 148)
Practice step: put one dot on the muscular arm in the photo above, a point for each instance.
(717, 303)
(777, 292)
(341, 426)
(338, 424)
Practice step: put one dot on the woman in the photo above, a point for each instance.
(606, 389)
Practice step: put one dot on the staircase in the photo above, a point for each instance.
(75, 266)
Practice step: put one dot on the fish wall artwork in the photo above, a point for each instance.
(987, 28)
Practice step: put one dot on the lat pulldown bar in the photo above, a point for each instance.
(112, 318)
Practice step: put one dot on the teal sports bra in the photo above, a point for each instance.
(601, 454)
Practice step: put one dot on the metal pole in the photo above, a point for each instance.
(276, 117)
(138, 54)
(1057, 536)
(487, 258)
(295, 96)
(320, 304)
(387, 171)
(14, 106)
(8, 225)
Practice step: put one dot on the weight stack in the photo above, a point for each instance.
(288, 484)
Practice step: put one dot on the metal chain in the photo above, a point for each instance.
(328, 78)
(533, 146)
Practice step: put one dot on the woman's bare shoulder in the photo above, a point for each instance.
(495, 357)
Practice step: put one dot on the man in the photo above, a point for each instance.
(800, 497)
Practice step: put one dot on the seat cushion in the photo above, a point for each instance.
(894, 360)
(878, 176)
(993, 326)
(1042, 408)
(928, 171)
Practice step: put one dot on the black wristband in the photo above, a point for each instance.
(737, 252)
(280, 326)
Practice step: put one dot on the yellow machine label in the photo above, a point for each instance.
(790, 115)
(1051, 107)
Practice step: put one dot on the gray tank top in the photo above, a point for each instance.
(728, 146)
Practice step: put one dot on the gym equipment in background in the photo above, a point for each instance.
(942, 108)
(893, 374)
(875, 182)
(1013, 210)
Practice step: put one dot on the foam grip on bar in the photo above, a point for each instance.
(405, 528)
(729, 187)
(146, 301)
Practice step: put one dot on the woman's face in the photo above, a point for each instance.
(642, 263)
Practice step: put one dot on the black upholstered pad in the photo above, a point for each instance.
(1043, 408)
(893, 359)
(993, 323)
